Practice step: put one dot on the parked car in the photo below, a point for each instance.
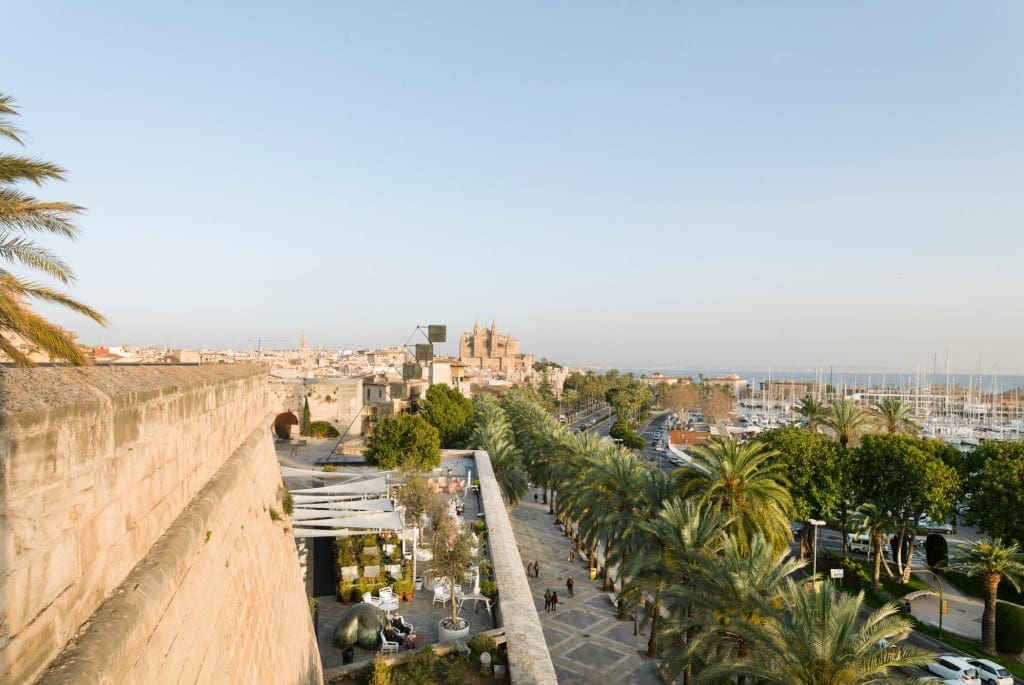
(954, 667)
(858, 543)
(936, 526)
(991, 672)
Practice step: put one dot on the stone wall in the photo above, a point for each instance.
(528, 657)
(338, 400)
(111, 471)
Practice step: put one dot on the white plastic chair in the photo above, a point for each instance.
(370, 599)
(441, 594)
(387, 646)
(388, 600)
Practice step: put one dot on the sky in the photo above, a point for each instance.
(685, 185)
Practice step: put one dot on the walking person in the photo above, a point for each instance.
(536, 569)
(569, 585)
(572, 553)
(547, 600)
(554, 601)
(529, 570)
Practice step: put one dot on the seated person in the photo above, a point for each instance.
(399, 624)
(392, 635)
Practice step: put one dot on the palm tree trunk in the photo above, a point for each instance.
(878, 561)
(988, 617)
(653, 640)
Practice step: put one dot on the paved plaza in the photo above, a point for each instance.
(587, 643)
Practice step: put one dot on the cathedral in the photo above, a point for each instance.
(487, 349)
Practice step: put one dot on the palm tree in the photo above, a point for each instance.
(991, 561)
(493, 434)
(746, 481)
(22, 215)
(812, 410)
(607, 504)
(847, 420)
(817, 638)
(895, 416)
(740, 585)
(872, 520)
(663, 554)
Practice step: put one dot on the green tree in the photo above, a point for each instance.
(817, 476)
(992, 562)
(813, 411)
(607, 504)
(847, 420)
(22, 216)
(405, 441)
(739, 587)
(817, 638)
(746, 481)
(873, 520)
(453, 553)
(307, 423)
(908, 477)
(997, 499)
(895, 417)
(415, 495)
(449, 411)
(661, 557)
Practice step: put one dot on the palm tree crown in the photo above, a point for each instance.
(21, 216)
(895, 416)
(991, 561)
(847, 420)
(816, 638)
(812, 410)
(747, 482)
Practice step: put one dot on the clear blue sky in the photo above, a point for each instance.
(723, 184)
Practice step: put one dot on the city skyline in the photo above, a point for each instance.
(727, 186)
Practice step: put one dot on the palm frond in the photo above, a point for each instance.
(16, 169)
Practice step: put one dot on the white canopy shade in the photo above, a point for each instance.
(375, 486)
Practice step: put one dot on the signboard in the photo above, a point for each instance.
(836, 572)
(437, 333)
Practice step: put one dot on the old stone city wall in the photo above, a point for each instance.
(136, 540)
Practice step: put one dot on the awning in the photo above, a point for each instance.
(290, 472)
(375, 486)
(384, 520)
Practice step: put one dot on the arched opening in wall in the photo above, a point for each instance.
(283, 425)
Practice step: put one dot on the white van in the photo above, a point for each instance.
(858, 543)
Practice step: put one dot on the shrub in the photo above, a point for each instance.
(423, 668)
(881, 596)
(936, 551)
(322, 429)
(376, 673)
(287, 503)
(1009, 628)
(452, 670)
(488, 588)
(478, 644)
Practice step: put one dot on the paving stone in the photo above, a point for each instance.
(596, 656)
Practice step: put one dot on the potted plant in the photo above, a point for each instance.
(489, 589)
(404, 588)
(345, 591)
(453, 552)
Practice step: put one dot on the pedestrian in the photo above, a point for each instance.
(554, 601)
(529, 570)
(569, 584)
(536, 569)
(535, 498)
(547, 600)
(572, 553)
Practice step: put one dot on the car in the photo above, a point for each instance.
(954, 667)
(991, 672)
(858, 543)
(936, 526)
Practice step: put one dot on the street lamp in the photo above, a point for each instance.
(817, 524)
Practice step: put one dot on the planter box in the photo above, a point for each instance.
(447, 634)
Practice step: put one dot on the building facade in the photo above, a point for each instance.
(499, 353)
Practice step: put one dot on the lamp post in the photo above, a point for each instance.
(817, 523)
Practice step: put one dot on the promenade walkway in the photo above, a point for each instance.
(587, 643)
